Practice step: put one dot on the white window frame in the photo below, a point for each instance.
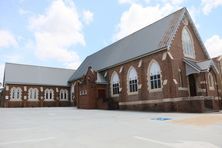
(149, 77)
(63, 95)
(187, 43)
(132, 79)
(16, 94)
(114, 82)
(49, 92)
(211, 81)
(33, 94)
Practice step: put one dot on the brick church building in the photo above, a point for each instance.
(35, 86)
(162, 67)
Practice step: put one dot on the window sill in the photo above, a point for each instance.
(132, 93)
(115, 95)
(33, 100)
(16, 100)
(183, 88)
(155, 90)
(48, 100)
(211, 88)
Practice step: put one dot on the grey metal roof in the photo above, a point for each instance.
(100, 79)
(148, 40)
(36, 75)
(197, 67)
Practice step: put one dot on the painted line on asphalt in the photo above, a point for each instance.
(151, 140)
(181, 144)
(27, 141)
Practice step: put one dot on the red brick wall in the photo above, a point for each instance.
(40, 101)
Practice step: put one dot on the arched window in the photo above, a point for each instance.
(63, 94)
(72, 92)
(187, 42)
(211, 81)
(154, 75)
(49, 94)
(115, 83)
(16, 93)
(33, 93)
(132, 80)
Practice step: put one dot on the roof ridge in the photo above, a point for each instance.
(38, 66)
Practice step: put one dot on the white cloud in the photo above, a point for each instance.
(137, 17)
(127, 1)
(23, 11)
(7, 39)
(214, 45)
(87, 17)
(209, 5)
(56, 31)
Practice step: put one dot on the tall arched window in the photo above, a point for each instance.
(154, 75)
(49, 94)
(115, 83)
(33, 93)
(132, 80)
(16, 93)
(187, 42)
(63, 94)
(72, 92)
(211, 81)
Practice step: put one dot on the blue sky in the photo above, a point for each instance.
(61, 33)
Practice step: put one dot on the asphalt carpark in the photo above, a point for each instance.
(70, 127)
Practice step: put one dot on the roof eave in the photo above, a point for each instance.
(37, 84)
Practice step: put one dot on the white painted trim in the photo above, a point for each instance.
(16, 89)
(155, 90)
(203, 82)
(37, 94)
(165, 100)
(132, 93)
(48, 92)
(140, 63)
(164, 56)
(175, 81)
(62, 94)
(183, 88)
(105, 74)
(111, 84)
(139, 86)
(210, 78)
(128, 89)
(165, 82)
(201, 90)
(25, 88)
(190, 35)
(7, 88)
(148, 76)
(121, 69)
(170, 55)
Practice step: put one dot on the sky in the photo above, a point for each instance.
(62, 33)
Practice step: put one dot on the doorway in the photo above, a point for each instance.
(192, 84)
(101, 93)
